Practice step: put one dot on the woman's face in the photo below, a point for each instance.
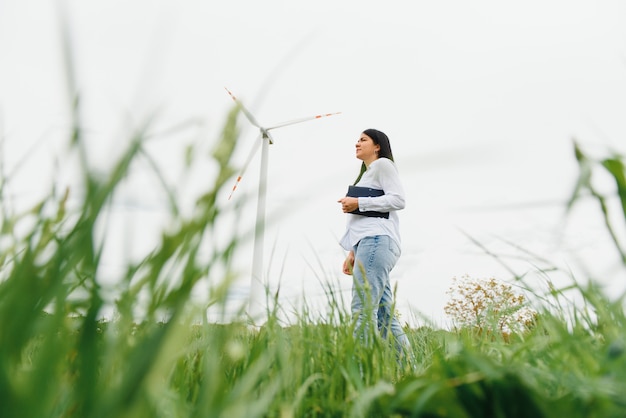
(366, 150)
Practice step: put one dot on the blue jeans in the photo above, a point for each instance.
(372, 300)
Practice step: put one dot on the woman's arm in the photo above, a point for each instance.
(389, 179)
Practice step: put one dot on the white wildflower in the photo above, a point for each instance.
(481, 303)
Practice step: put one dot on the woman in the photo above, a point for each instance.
(372, 236)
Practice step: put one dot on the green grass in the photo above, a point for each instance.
(58, 358)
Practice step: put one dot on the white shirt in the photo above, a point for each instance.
(381, 174)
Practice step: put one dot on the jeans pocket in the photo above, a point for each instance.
(394, 248)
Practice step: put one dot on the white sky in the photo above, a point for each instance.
(480, 99)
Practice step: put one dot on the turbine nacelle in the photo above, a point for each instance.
(266, 135)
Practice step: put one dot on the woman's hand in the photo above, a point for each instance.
(348, 263)
(349, 204)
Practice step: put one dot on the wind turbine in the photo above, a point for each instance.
(257, 284)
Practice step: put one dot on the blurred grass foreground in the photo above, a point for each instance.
(153, 358)
(58, 358)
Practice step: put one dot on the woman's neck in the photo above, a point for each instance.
(367, 163)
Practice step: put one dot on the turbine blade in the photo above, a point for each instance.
(244, 110)
(293, 122)
(255, 148)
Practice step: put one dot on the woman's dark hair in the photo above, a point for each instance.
(380, 139)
